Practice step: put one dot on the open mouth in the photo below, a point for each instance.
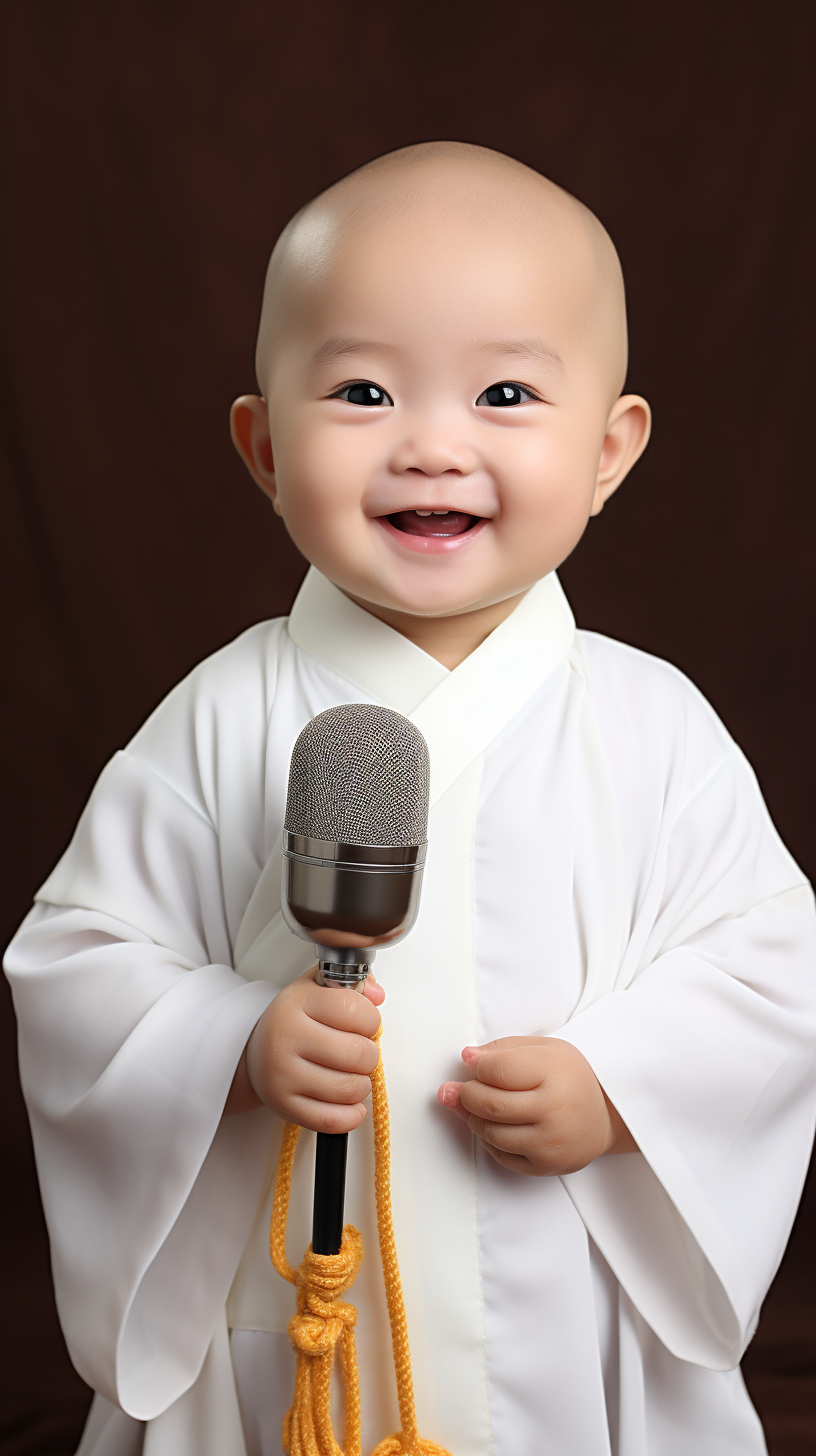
(433, 523)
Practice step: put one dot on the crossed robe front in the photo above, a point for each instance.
(601, 868)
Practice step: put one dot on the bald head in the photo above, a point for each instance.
(446, 198)
(443, 335)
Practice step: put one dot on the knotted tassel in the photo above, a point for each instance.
(324, 1322)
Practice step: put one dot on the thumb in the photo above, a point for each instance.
(471, 1054)
(375, 993)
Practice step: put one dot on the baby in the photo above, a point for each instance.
(609, 921)
(435, 503)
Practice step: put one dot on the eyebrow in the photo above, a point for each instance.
(337, 348)
(536, 351)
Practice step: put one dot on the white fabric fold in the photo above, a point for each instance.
(601, 868)
(382, 663)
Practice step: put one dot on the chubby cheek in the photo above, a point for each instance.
(320, 484)
(548, 498)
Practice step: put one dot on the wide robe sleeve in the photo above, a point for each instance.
(706, 1048)
(132, 1022)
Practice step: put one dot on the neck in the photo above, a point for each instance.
(449, 639)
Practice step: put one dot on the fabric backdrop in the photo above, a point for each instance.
(151, 153)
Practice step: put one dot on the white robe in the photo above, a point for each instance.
(601, 868)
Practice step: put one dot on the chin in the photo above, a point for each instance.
(419, 601)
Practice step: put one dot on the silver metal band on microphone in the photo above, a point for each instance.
(333, 892)
(406, 857)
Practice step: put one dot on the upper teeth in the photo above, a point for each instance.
(431, 513)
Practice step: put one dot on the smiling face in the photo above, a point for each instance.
(439, 377)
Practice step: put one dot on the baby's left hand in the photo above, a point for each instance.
(536, 1106)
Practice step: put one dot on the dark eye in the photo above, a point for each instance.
(363, 392)
(505, 394)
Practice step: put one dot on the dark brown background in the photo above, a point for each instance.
(151, 152)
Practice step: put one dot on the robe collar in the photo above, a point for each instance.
(459, 712)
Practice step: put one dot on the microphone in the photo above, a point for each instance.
(354, 845)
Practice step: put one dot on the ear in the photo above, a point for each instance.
(627, 435)
(249, 427)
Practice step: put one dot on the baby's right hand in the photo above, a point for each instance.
(311, 1054)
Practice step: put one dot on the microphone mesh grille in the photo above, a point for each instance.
(359, 775)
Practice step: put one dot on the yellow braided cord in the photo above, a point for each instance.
(280, 1203)
(324, 1322)
(408, 1434)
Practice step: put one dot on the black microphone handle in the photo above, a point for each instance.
(329, 1192)
(344, 969)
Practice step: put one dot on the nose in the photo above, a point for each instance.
(433, 448)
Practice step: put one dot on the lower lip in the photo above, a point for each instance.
(431, 545)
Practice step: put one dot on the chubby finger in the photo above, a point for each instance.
(507, 1138)
(448, 1096)
(323, 1116)
(327, 1084)
(515, 1109)
(515, 1162)
(340, 1051)
(516, 1069)
(471, 1054)
(497, 1105)
(343, 1010)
